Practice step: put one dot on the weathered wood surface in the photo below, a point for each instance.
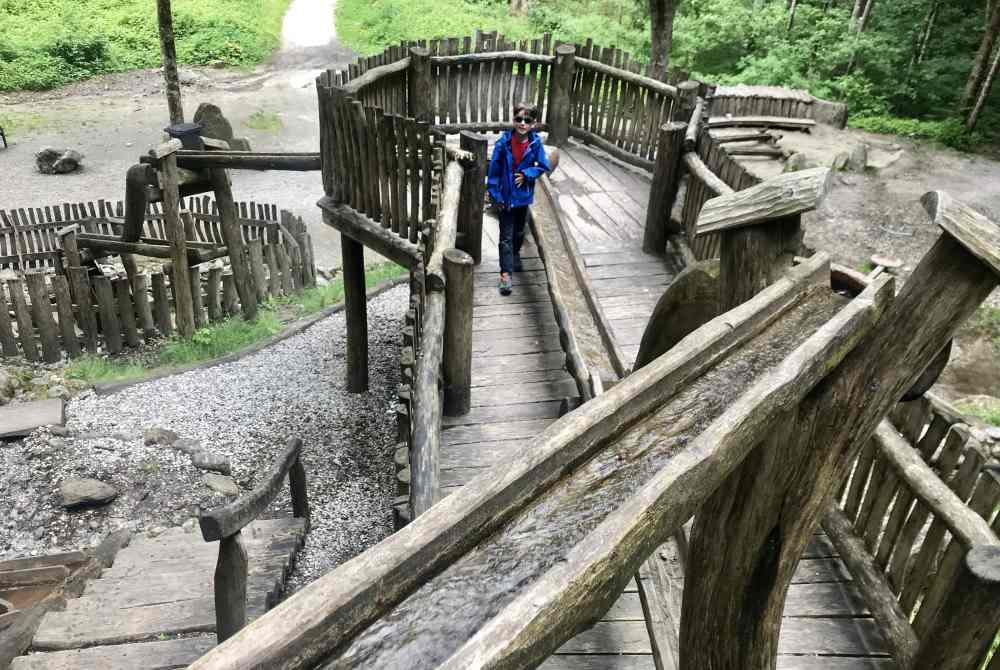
(19, 420)
(160, 586)
(787, 195)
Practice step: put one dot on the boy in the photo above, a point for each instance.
(518, 160)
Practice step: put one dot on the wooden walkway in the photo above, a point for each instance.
(154, 608)
(519, 381)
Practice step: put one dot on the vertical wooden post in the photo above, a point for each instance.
(967, 623)
(140, 295)
(663, 192)
(457, 360)
(256, 252)
(230, 587)
(230, 299)
(234, 243)
(419, 85)
(126, 311)
(561, 97)
(299, 493)
(197, 306)
(356, 303)
(88, 321)
(7, 342)
(169, 56)
(212, 293)
(110, 326)
(41, 311)
(687, 95)
(174, 224)
(67, 238)
(25, 327)
(161, 305)
(67, 324)
(470, 213)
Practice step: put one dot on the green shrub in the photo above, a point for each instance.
(950, 132)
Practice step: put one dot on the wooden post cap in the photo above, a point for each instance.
(422, 52)
(783, 196)
(983, 562)
(978, 234)
(165, 149)
(565, 50)
(457, 257)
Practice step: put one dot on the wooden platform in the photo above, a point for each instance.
(154, 608)
(519, 380)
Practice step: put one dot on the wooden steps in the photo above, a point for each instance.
(160, 587)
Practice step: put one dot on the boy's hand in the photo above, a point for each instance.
(519, 179)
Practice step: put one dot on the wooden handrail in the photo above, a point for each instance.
(647, 82)
(230, 519)
(488, 56)
(374, 74)
(225, 524)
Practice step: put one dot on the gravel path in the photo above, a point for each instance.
(244, 410)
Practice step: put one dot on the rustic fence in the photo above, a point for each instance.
(73, 311)
(918, 506)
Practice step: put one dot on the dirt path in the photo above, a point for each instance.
(112, 120)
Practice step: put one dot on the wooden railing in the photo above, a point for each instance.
(225, 523)
(73, 311)
(913, 525)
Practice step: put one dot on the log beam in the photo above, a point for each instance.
(356, 310)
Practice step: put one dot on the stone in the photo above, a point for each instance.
(993, 432)
(840, 161)
(7, 387)
(58, 161)
(859, 158)
(58, 391)
(215, 125)
(187, 446)
(159, 436)
(221, 484)
(205, 460)
(797, 161)
(61, 431)
(888, 262)
(830, 113)
(85, 492)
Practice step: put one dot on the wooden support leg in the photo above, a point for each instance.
(663, 192)
(748, 537)
(356, 304)
(180, 280)
(457, 359)
(230, 587)
(234, 243)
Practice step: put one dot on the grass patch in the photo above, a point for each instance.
(265, 121)
(986, 323)
(46, 43)
(949, 132)
(221, 338)
(990, 415)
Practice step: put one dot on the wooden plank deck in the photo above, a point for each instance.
(519, 380)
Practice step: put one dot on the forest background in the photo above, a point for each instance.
(913, 67)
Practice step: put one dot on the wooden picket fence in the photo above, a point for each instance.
(50, 309)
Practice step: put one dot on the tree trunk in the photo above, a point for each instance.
(984, 92)
(981, 61)
(518, 7)
(169, 55)
(925, 34)
(792, 4)
(661, 27)
(865, 15)
(859, 6)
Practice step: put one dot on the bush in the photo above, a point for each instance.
(949, 132)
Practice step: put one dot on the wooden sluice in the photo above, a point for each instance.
(526, 530)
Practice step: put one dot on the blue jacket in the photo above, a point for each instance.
(500, 177)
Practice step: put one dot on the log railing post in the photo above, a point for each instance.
(230, 587)
(968, 619)
(663, 192)
(419, 85)
(687, 96)
(181, 280)
(734, 598)
(457, 358)
(234, 243)
(355, 300)
(297, 488)
(470, 216)
(561, 95)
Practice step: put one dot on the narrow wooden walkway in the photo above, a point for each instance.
(154, 609)
(519, 380)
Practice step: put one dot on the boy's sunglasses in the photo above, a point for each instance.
(523, 119)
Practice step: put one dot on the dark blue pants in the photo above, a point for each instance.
(511, 236)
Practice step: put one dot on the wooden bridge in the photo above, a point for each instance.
(748, 393)
(668, 448)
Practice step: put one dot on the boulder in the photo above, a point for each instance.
(159, 436)
(7, 387)
(215, 125)
(840, 161)
(796, 162)
(187, 445)
(58, 161)
(830, 113)
(85, 492)
(221, 484)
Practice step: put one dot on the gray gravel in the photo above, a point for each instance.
(244, 411)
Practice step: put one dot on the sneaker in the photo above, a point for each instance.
(517, 264)
(505, 286)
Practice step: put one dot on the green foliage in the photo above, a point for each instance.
(46, 43)
(950, 132)
(92, 368)
(219, 339)
(990, 415)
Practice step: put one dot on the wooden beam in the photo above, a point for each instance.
(763, 121)
(356, 311)
(425, 445)
(245, 160)
(356, 225)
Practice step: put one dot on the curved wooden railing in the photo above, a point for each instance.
(225, 523)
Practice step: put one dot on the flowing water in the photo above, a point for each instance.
(437, 619)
